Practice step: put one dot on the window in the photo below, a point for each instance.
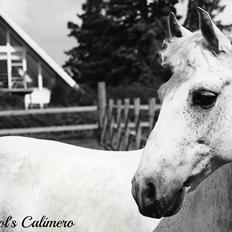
(3, 74)
(2, 35)
(17, 70)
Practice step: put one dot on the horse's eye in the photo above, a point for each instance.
(204, 98)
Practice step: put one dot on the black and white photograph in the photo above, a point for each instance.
(115, 116)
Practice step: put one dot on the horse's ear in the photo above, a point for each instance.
(175, 29)
(213, 36)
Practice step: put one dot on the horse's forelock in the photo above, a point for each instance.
(188, 52)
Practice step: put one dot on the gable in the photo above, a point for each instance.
(19, 38)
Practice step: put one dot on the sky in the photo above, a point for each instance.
(45, 21)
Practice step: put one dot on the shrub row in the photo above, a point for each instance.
(134, 91)
(42, 120)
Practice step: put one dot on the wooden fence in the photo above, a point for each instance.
(48, 129)
(100, 109)
(122, 124)
(119, 122)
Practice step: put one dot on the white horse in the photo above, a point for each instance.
(37, 97)
(52, 186)
(193, 134)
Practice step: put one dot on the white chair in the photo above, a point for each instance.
(37, 97)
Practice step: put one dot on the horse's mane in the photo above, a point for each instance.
(188, 51)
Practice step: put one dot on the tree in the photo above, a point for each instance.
(88, 60)
(119, 40)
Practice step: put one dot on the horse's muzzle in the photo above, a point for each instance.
(150, 205)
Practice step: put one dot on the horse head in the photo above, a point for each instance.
(192, 136)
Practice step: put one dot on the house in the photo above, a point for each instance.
(24, 66)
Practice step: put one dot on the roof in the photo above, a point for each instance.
(38, 50)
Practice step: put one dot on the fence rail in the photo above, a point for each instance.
(31, 130)
(76, 109)
(48, 129)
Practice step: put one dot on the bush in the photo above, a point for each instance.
(11, 101)
(133, 91)
(42, 120)
(86, 97)
(66, 96)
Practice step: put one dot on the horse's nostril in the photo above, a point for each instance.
(149, 194)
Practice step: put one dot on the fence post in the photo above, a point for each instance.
(152, 109)
(138, 129)
(111, 118)
(123, 129)
(101, 102)
(136, 111)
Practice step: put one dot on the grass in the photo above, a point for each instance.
(86, 139)
(88, 143)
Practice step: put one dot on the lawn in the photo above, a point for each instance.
(88, 143)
